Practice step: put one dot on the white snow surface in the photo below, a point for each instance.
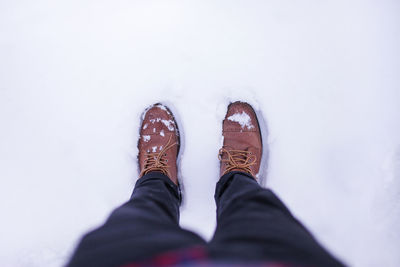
(75, 77)
(243, 119)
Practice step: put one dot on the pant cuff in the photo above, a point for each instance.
(160, 176)
(226, 179)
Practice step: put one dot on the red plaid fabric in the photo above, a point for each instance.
(195, 256)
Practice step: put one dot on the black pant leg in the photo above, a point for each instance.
(254, 225)
(145, 226)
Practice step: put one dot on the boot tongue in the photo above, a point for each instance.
(156, 160)
(238, 160)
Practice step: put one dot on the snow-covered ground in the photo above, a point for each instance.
(75, 76)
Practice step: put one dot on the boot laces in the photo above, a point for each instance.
(237, 160)
(156, 161)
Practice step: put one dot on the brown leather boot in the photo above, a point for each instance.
(159, 142)
(242, 145)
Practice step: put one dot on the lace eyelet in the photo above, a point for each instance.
(166, 160)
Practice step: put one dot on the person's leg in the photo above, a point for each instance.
(254, 225)
(145, 226)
